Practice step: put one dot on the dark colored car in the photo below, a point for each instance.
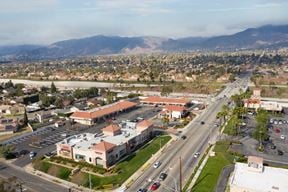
(273, 146)
(155, 186)
(24, 152)
(183, 137)
(280, 152)
(162, 176)
(142, 190)
(202, 122)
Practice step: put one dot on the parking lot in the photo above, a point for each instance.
(278, 139)
(43, 140)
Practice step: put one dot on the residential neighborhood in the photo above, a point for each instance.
(144, 96)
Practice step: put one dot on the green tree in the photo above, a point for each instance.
(261, 131)
(59, 102)
(8, 84)
(6, 151)
(53, 88)
(25, 118)
(166, 90)
(19, 91)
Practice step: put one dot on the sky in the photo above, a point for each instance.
(48, 21)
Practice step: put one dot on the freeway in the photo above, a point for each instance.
(198, 137)
(31, 182)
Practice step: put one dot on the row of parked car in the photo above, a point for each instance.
(278, 121)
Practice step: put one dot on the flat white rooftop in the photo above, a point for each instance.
(270, 180)
(86, 140)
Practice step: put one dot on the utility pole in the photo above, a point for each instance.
(180, 183)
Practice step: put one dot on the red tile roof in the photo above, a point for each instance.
(144, 124)
(252, 101)
(103, 146)
(165, 100)
(111, 128)
(175, 108)
(105, 110)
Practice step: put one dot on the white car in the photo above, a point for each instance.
(157, 164)
(282, 137)
(32, 154)
(196, 155)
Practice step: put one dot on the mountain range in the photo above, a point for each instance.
(269, 36)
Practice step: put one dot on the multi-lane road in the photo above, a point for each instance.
(198, 137)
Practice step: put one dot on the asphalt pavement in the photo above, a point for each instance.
(198, 136)
(33, 183)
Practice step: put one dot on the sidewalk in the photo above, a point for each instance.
(199, 170)
(139, 172)
(75, 188)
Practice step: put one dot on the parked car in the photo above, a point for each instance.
(202, 122)
(162, 176)
(197, 154)
(272, 146)
(32, 154)
(280, 122)
(280, 152)
(271, 121)
(142, 190)
(282, 137)
(157, 164)
(24, 152)
(155, 186)
(275, 122)
(277, 130)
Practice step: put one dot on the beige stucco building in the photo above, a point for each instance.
(107, 148)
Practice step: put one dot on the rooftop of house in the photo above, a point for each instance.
(104, 110)
(166, 100)
(270, 179)
(175, 108)
(112, 128)
(88, 141)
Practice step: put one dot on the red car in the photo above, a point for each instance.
(155, 186)
(277, 130)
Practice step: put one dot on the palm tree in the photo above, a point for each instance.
(226, 111)
(221, 116)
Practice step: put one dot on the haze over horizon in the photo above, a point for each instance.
(45, 22)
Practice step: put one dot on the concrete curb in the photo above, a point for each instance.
(199, 170)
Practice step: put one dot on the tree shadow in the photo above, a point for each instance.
(200, 180)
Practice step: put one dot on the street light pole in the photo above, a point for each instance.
(180, 183)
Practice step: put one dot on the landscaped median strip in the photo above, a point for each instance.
(116, 176)
(197, 170)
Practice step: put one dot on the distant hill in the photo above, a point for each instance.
(253, 38)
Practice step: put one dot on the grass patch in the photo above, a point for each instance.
(63, 173)
(195, 170)
(45, 166)
(208, 178)
(128, 166)
(124, 168)
(230, 128)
